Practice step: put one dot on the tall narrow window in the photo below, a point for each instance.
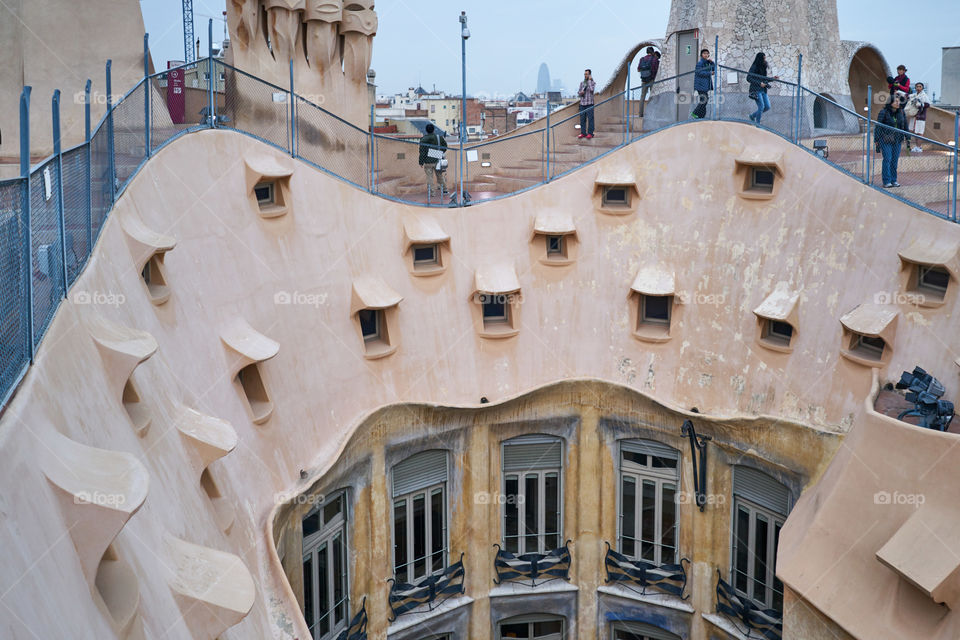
(420, 516)
(532, 467)
(761, 505)
(533, 627)
(325, 588)
(649, 477)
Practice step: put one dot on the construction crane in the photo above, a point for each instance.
(189, 53)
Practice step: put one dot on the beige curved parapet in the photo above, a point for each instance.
(209, 438)
(213, 589)
(252, 345)
(99, 490)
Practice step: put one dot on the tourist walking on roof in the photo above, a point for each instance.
(648, 67)
(759, 83)
(888, 137)
(586, 104)
(432, 149)
(916, 110)
(702, 83)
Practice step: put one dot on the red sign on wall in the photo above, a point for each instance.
(176, 100)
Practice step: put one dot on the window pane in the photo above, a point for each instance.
(551, 516)
(400, 540)
(436, 529)
(332, 510)
(658, 462)
(530, 522)
(777, 585)
(511, 523)
(742, 548)
(514, 630)
(636, 458)
(323, 591)
(648, 520)
(628, 505)
(308, 602)
(419, 535)
(668, 524)
(760, 559)
(311, 524)
(546, 628)
(339, 580)
(368, 322)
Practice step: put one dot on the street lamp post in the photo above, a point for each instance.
(464, 34)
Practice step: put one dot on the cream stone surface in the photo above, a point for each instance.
(825, 235)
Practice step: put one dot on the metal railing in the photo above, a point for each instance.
(527, 568)
(755, 622)
(428, 593)
(51, 216)
(641, 576)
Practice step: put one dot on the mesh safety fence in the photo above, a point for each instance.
(332, 144)
(101, 180)
(76, 211)
(398, 173)
(254, 106)
(778, 113)
(659, 104)
(129, 134)
(834, 133)
(45, 241)
(505, 165)
(176, 106)
(569, 150)
(14, 328)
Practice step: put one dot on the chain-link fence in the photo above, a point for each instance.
(46, 246)
(833, 132)
(14, 276)
(660, 104)
(253, 106)
(332, 144)
(768, 102)
(129, 134)
(76, 211)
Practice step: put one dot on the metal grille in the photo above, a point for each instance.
(836, 134)
(14, 328)
(45, 246)
(255, 107)
(101, 178)
(332, 144)
(504, 165)
(129, 135)
(735, 103)
(76, 212)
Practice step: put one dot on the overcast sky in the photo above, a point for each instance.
(418, 41)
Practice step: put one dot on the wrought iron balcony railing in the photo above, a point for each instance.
(639, 575)
(765, 623)
(432, 591)
(357, 629)
(529, 567)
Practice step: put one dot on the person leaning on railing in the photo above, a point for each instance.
(702, 83)
(888, 136)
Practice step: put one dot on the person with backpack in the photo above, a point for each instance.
(648, 68)
(432, 149)
(759, 83)
(702, 84)
(888, 136)
(916, 111)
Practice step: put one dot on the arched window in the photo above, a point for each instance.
(760, 507)
(420, 515)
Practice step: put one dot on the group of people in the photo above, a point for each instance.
(904, 113)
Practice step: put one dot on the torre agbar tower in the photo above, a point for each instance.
(255, 383)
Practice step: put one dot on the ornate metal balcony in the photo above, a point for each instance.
(357, 629)
(432, 591)
(639, 576)
(527, 568)
(767, 623)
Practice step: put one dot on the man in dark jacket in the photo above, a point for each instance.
(702, 83)
(648, 67)
(432, 147)
(888, 136)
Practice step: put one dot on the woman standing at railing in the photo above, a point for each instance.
(888, 136)
(759, 83)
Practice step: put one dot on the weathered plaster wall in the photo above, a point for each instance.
(827, 235)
